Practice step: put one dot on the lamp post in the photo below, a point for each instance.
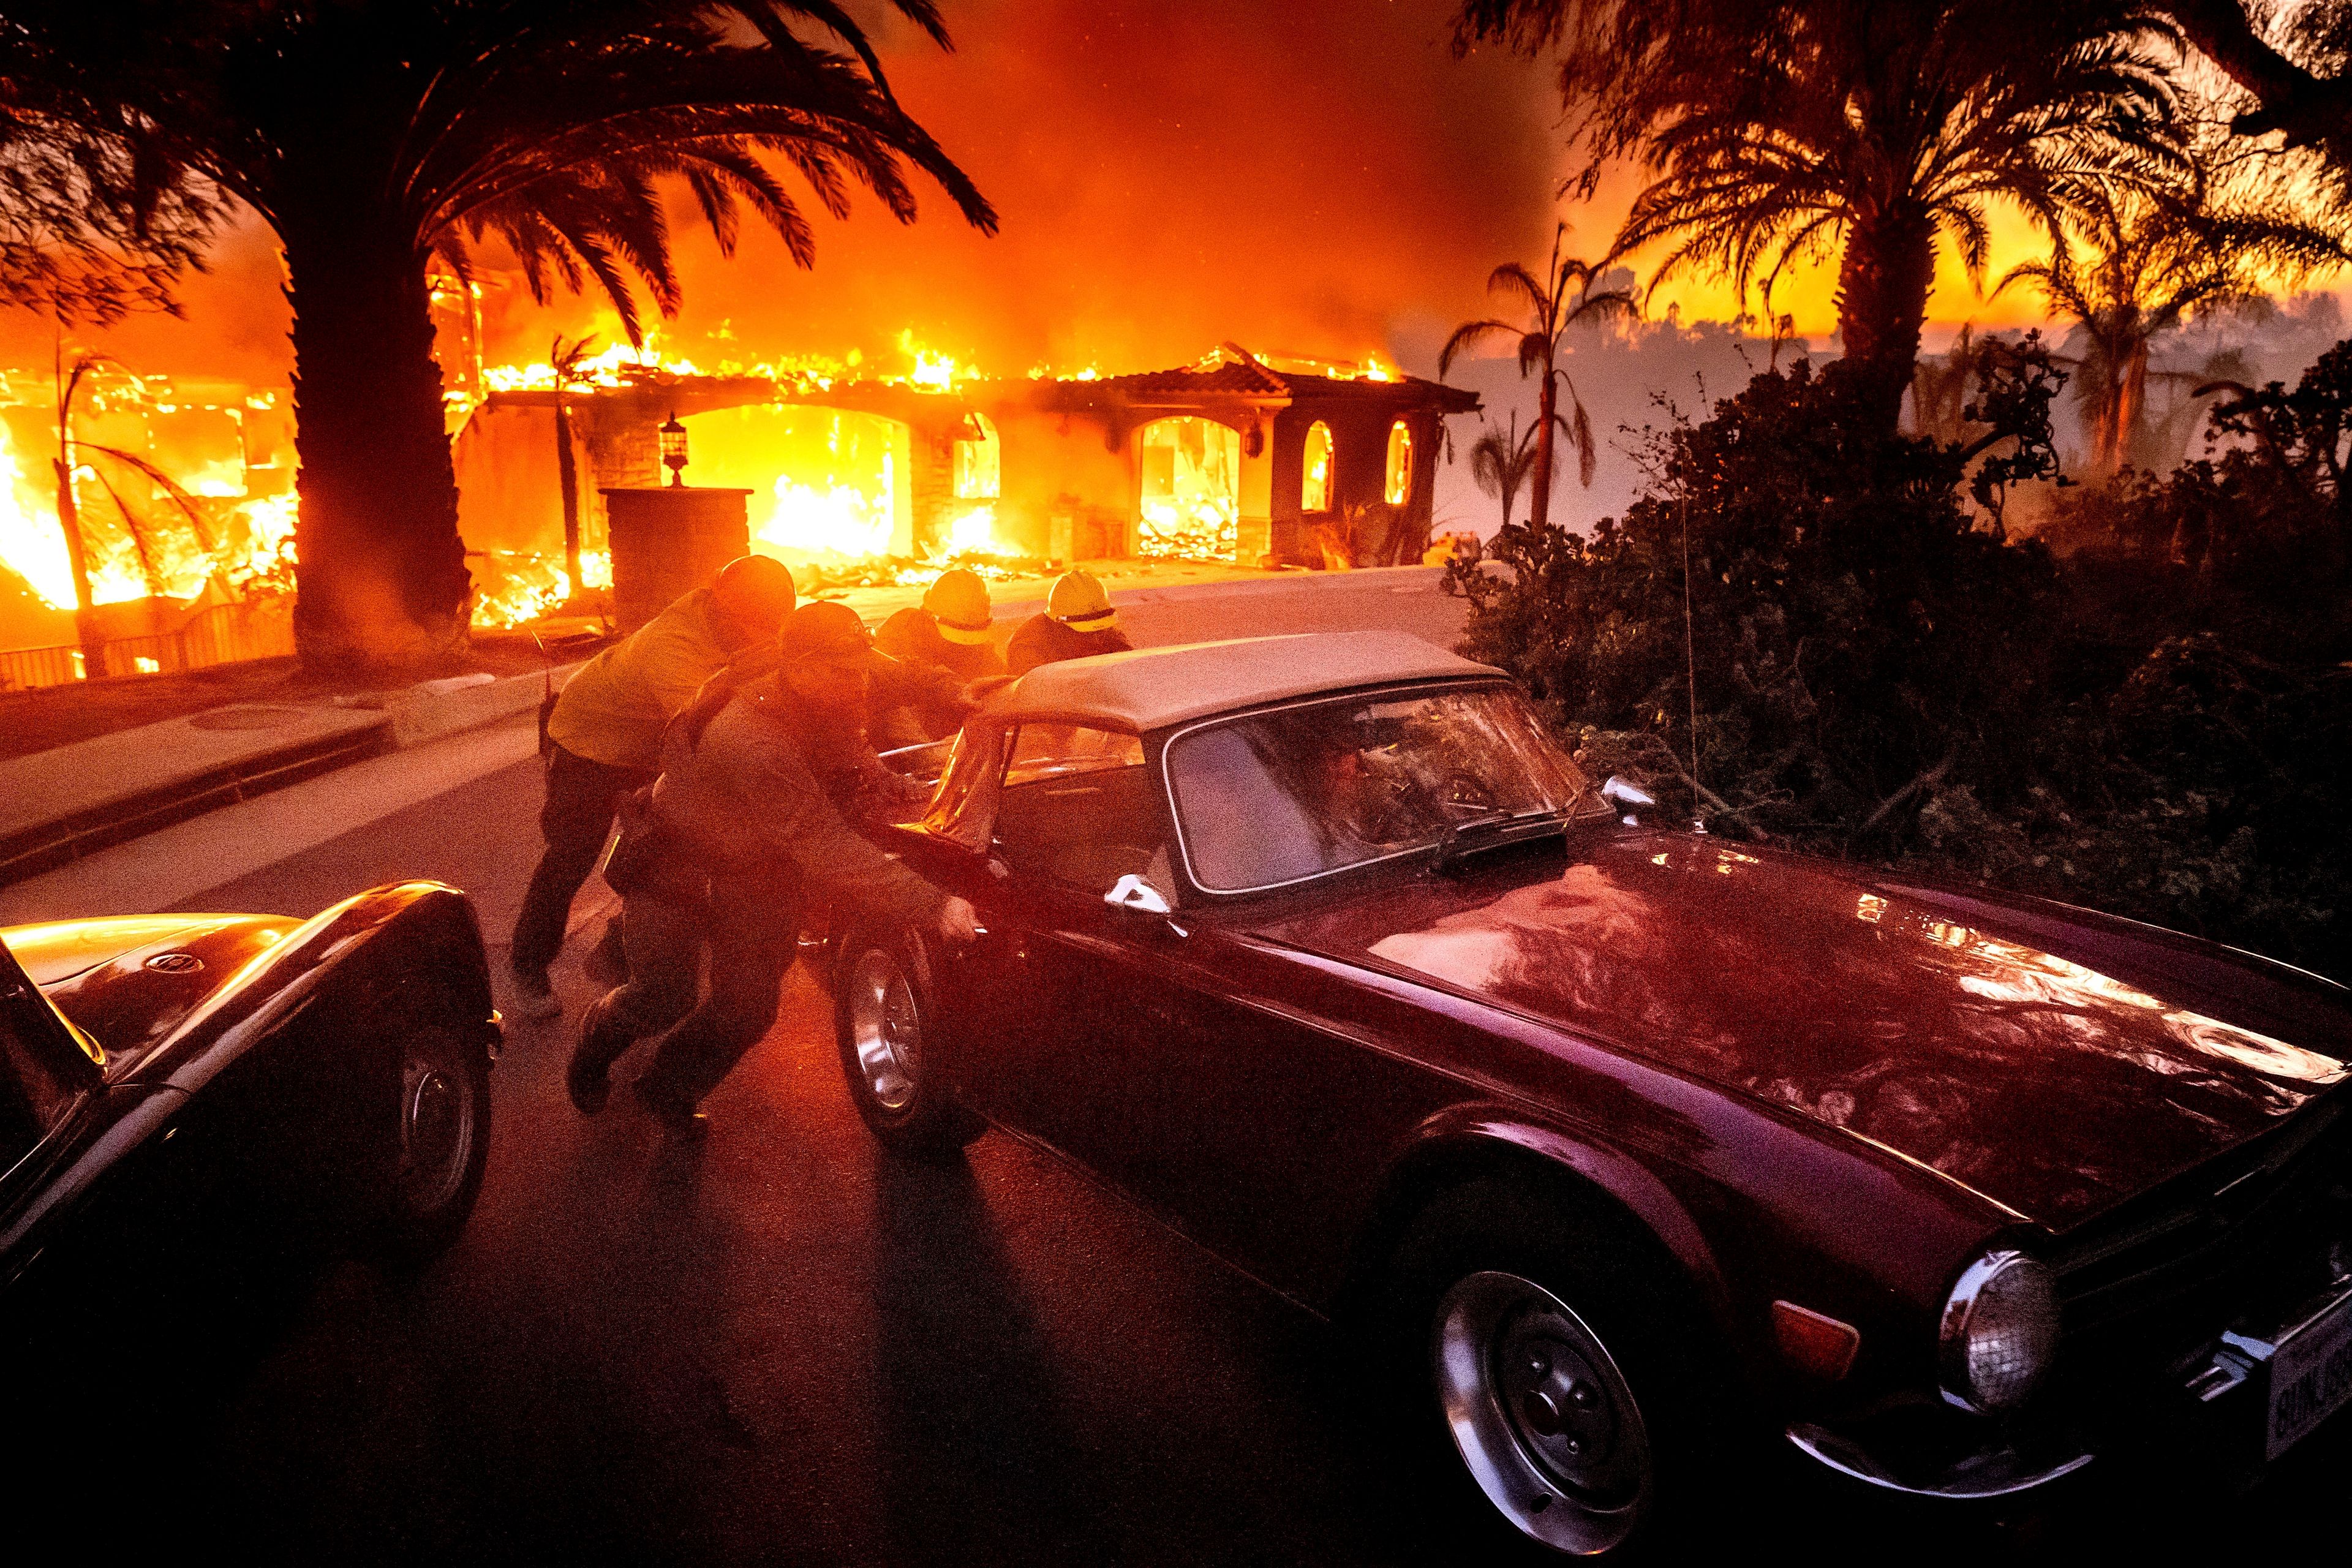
(673, 450)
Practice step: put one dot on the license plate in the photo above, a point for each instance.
(2311, 1375)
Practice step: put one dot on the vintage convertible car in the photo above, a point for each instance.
(1618, 1137)
(173, 1084)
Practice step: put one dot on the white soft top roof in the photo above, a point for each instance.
(1153, 686)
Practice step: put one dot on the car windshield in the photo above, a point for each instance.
(1278, 797)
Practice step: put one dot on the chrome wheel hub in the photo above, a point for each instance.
(437, 1125)
(885, 1030)
(1540, 1412)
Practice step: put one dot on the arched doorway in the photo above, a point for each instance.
(1315, 470)
(1190, 500)
(824, 481)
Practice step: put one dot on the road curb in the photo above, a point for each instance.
(70, 821)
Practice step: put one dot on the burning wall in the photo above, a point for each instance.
(1206, 461)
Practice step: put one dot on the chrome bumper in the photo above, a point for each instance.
(1994, 1472)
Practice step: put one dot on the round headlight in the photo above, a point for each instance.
(2000, 1327)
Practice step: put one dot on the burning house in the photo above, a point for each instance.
(1235, 457)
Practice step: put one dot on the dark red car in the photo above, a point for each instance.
(1624, 1141)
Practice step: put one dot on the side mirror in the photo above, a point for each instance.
(1625, 794)
(1132, 892)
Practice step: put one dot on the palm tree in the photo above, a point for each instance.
(565, 360)
(2152, 264)
(1500, 461)
(1548, 310)
(1779, 134)
(373, 134)
(95, 222)
(74, 457)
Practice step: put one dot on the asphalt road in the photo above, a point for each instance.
(783, 1347)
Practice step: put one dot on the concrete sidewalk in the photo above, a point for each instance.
(163, 869)
(58, 805)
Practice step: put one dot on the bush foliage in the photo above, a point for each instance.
(2147, 718)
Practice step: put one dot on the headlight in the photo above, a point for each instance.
(1999, 1326)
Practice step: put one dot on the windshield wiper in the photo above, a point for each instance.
(1485, 833)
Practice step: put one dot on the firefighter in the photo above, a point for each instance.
(741, 836)
(607, 731)
(949, 631)
(1078, 621)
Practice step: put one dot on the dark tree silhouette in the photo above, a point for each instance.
(1548, 310)
(372, 133)
(96, 220)
(565, 360)
(1500, 462)
(1778, 132)
(2145, 266)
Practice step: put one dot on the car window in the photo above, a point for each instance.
(1057, 751)
(1077, 806)
(1297, 792)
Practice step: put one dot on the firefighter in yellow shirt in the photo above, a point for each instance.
(607, 728)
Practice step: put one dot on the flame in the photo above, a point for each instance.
(932, 371)
(31, 544)
(974, 534)
(836, 520)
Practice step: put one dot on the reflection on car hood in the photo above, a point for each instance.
(128, 981)
(2057, 1073)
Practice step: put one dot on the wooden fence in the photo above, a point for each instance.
(222, 634)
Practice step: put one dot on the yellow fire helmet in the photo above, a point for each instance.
(1079, 602)
(958, 603)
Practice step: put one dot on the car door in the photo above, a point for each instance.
(1071, 988)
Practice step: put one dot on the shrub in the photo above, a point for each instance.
(1879, 672)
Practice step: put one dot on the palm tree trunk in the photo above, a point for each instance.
(93, 651)
(1548, 406)
(2131, 406)
(382, 580)
(1883, 280)
(567, 479)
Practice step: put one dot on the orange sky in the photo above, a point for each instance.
(1318, 176)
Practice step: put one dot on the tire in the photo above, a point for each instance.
(441, 1143)
(1541, 1366)
(882, 1003)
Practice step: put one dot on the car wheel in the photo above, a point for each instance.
(882, 1014)
(442, 1141)
(1536, 1359)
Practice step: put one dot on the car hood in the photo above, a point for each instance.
(129, 981)
(2055, 1061)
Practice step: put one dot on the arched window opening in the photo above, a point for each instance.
(1400, 483)
(979, 461)
(1190, 504)
(979, 480)
(1315, 482)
